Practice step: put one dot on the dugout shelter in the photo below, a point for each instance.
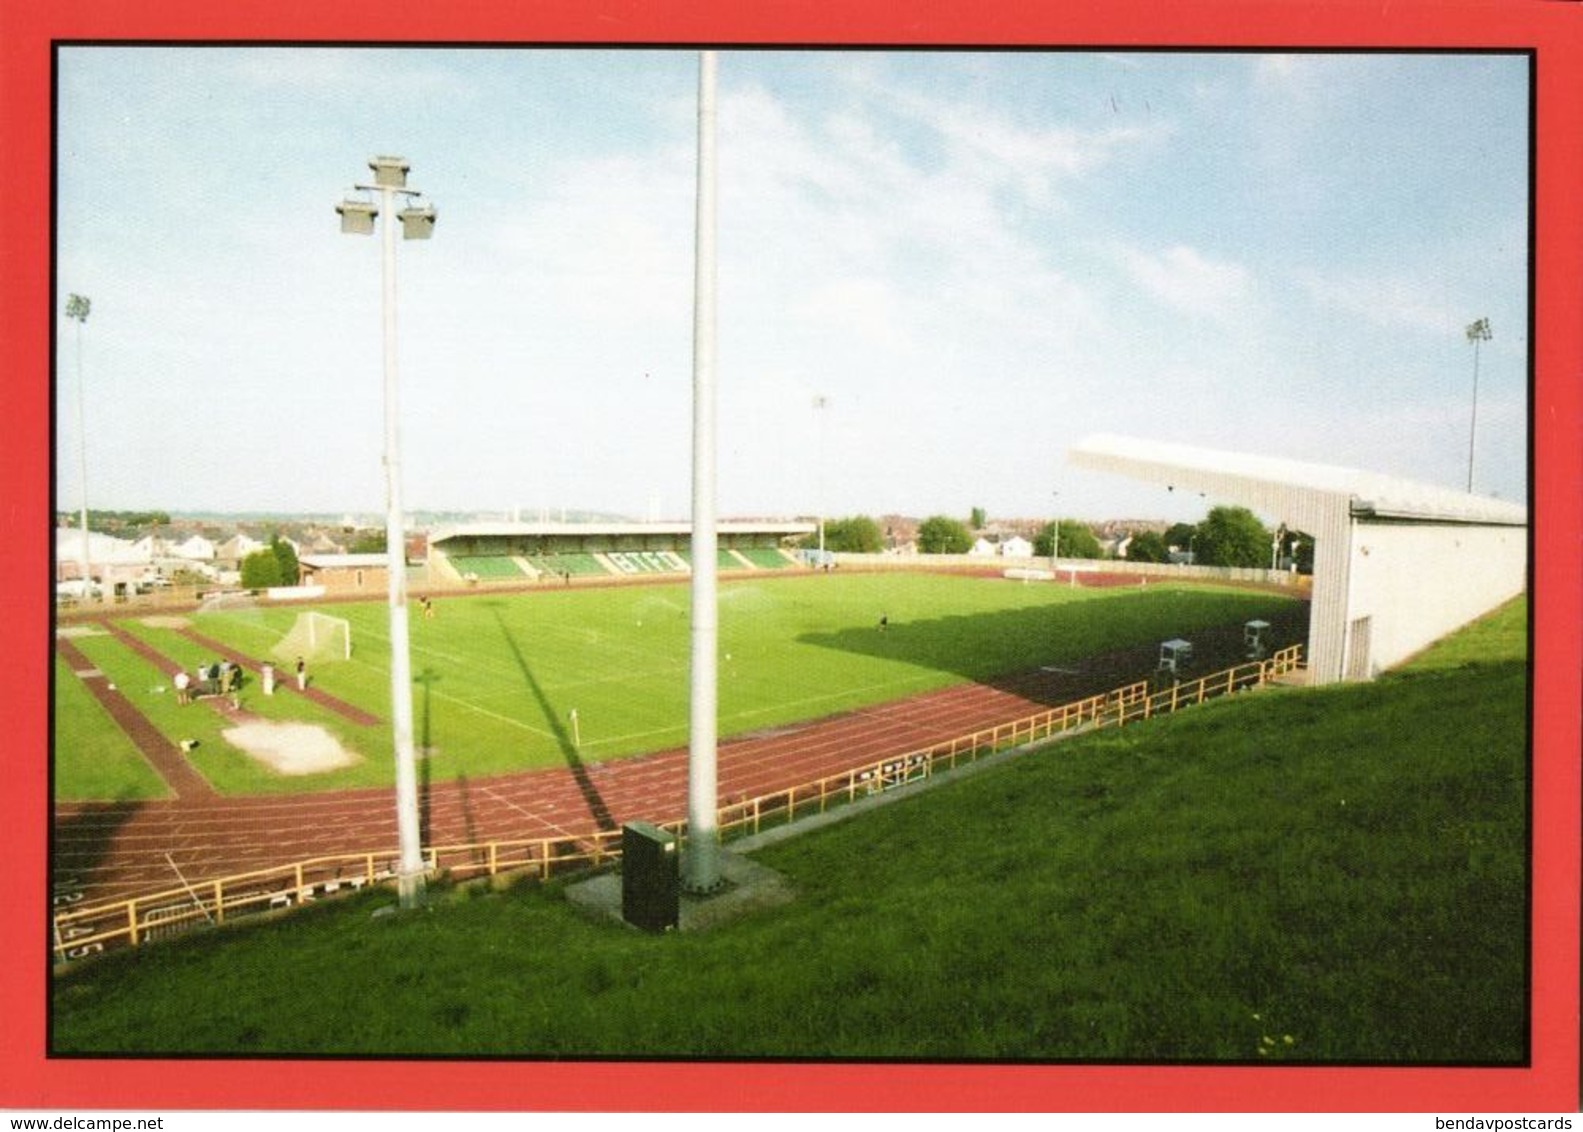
(1397, 564)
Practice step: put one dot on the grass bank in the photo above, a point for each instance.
(1332, 875)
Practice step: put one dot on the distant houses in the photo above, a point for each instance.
(1014, 546)
(157, 557)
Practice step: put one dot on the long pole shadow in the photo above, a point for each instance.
(574, 760)
(425, 748)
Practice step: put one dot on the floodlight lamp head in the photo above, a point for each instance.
(417, 222)
(77, 307)
(357, 217)
(390, 172)
(1480, 331)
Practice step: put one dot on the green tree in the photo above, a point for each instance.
(858, 534)
(287, 557)
(979, 519)
(367, 542)
(261, 570)
(1077, 541)
(1304, 543)
(1181, 536)
(939, 534)
(1233, 536)
(1148, 546)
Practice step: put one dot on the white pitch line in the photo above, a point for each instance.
(555, 825)
(188, 887)
(474, 706)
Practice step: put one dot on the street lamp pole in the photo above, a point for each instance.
(77, 308)
(1477, 332)
(357, 217)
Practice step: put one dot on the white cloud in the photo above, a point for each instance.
(1389, 302)
(1188, 280)
(987, 146)
(340, 71)
(864, 308)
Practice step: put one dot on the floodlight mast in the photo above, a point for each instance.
(1055, 535)
(1477, 332)
(390, 178)
(820, 404)
(77, 308)
(701, 857)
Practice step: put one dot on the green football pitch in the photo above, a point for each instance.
(507, 682)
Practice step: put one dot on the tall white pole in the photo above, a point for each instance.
(1477, 332)
(820, 404)
(409, 872)
(77, 310)
(701, 859)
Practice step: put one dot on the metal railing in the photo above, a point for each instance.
(82, 931)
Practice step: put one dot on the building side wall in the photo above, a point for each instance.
(1327, 520)
(348, 580)
(1416, 582)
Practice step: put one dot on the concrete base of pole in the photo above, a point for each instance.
(701, 875)
(411, 890)
(705, 888)
(744, 887)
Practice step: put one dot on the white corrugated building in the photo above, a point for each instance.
(1397, 564)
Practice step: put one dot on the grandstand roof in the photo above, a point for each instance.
(675, 529)
(1243, 476)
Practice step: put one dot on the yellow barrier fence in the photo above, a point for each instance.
(82, 931)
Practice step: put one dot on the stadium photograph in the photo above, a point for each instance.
(842, 559)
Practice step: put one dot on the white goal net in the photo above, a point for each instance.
(316, 636)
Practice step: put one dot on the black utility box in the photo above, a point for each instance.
(650, 877)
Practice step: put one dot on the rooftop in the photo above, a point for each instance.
(1213, 471)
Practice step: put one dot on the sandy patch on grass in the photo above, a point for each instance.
(70, 631)
(290, 748)
(166, 622)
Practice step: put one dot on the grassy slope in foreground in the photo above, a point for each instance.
(1333, 875)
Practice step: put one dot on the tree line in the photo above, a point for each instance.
(1227, 536)
(119, 523)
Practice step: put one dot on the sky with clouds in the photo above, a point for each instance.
(972, 260)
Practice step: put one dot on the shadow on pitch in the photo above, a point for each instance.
(1051, 655)
(569, 751)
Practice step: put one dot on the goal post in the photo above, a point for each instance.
(316, 636)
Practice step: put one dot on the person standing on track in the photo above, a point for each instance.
(302, 675)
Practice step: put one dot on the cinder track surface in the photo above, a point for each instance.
(109, 851)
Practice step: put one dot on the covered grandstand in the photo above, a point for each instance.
(1397, 564)
(507, 552)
